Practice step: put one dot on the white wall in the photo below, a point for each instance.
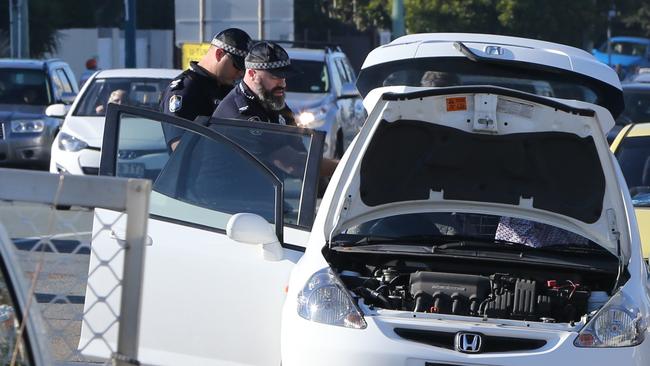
(154, 48)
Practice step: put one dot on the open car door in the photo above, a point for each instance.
(207, 299)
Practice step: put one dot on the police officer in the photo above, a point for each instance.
(261, 94)
(198, 90)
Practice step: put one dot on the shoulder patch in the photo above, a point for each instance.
(175, 103)
(255, 119)
(281, 120)
(243, 109)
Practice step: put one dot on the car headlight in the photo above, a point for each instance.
(27, 126)
(312, 118)
(325, 300)
(618, 324)
(70, 143)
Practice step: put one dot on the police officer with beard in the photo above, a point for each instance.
(260, 96)
(199, 89)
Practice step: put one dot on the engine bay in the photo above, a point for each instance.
(491, 291)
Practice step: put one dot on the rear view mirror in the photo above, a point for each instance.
(58, 110)
(250, 228)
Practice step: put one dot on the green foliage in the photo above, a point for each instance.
(640, 19)
(451, 16)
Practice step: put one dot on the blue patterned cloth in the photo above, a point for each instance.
(534, 234)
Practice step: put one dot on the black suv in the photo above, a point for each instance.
(34, 97)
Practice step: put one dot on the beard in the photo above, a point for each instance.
(268, 99)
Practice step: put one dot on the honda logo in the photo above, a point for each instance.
(468, 342)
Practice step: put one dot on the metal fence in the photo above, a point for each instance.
(52, 221)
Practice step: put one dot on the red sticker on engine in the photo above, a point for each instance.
(456, 104)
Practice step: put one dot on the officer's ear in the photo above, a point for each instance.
(219, 53)
(251, 73)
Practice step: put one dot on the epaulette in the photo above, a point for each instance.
(176, 84)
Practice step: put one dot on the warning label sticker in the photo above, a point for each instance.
(456, 104)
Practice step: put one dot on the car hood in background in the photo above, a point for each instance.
(300, 101)
(14, 112)
(90, 129)
(485, 150)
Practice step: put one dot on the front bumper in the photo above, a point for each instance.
(83, 162)
(310, 343)
(29, 150)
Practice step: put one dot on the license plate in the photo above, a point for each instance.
(133, 170)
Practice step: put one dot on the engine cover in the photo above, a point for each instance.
(448, 293)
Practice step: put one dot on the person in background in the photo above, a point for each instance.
(91, 67)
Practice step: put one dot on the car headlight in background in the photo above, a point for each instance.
(70, 143)
(312, 118)
(618, 324)
(325, 300)
(27, 126)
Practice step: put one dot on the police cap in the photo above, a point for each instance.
(234, 41)
(271, 57)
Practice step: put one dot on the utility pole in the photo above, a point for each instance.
(201, 21)
(19, 28)
(129, 32)
(398, 18)
(260, 19)
(610, 16)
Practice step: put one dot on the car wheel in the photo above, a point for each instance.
(338, 150)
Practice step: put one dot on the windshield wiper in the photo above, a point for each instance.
(411, 239)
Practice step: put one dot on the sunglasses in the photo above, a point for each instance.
(232, 58)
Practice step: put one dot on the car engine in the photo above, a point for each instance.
(498, 295)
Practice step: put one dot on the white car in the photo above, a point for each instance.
(465, 225)
(76, 148)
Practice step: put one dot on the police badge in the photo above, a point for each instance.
(175, 103)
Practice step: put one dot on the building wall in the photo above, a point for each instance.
(223, 14)
(154, 48)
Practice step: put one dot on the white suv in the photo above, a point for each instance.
(465, 225)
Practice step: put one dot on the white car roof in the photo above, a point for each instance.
(515, 49)
(139, 73)
(306, 54)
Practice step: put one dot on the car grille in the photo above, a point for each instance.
(491, 344)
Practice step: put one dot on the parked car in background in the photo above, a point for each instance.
(76, 149)
(324, 97)
(628, 53)
(34, 97)
(636, 93)
(632, 149)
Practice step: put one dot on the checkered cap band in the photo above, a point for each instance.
(228, 48)
(267, 65)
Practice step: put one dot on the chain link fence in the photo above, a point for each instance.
(88, 298)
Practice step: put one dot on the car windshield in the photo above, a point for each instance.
(455, 71)
(443, 228)
(313, 78)
(637, 106)
(633, 156)
(24, 86)
(626, 48)
(138, 92)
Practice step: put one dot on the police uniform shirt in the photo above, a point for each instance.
(193, 93)
(242, 103)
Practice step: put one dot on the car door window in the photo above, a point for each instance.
(66, 85)
(352, 77)
(336, 76)
(57, 84)
(207, 178)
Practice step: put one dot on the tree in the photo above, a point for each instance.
(640, 19)
(451, 16)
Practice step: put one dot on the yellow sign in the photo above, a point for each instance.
(192, 52)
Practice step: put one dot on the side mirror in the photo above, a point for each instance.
(58, 110)
(250, 228)
(68, 98)
(349, 90)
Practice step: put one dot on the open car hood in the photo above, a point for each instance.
(485, 150)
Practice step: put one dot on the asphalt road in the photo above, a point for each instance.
(61, 265)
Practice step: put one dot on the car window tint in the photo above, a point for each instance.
(66, 85)
(314, 77)
(349, 70)
(336, 76)
(283, 153)
(24, 86)
(139, 92)
(201, 182)
(637, 105)
(341, 70)
(9, 325)
(633, 156)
